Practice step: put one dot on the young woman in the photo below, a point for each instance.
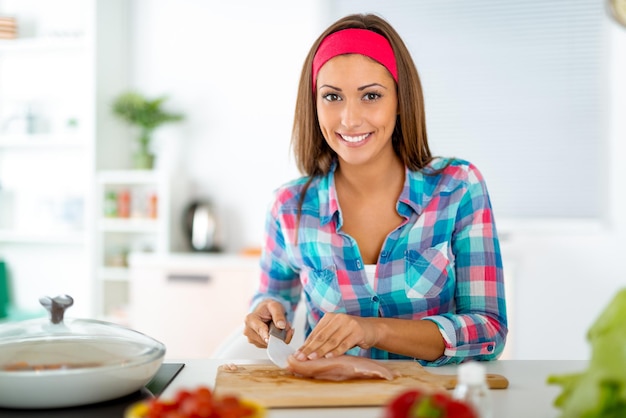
(394, 252)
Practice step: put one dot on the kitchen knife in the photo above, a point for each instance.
(277, 349)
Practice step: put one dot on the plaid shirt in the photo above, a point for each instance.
(442, 264)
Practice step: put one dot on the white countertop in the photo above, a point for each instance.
(528, 394)
(191, 260)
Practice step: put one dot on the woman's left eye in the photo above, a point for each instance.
(371, 96)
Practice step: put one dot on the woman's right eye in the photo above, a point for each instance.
(331, 97)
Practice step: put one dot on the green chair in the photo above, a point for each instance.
(4, 290)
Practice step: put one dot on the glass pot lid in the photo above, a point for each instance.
(57, 343)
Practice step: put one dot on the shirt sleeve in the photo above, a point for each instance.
(278, 279)
(478, 328)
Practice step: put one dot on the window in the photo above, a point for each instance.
(517, 88)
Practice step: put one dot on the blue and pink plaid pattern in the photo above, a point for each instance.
(443, 264)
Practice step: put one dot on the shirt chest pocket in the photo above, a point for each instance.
(322, 287)
(427, 271)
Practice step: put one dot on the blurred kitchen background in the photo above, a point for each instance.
(532, 92)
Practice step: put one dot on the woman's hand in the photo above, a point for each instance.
(337, 333)
(257, 322)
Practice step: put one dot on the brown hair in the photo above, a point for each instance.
(312, 154)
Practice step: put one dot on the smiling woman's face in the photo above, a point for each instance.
(357, 105)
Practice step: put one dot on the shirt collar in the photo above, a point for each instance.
(412, 195)
(327, 195)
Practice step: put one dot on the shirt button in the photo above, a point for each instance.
(383, 254)
(490, 348)
(358, 264)
(375, 299)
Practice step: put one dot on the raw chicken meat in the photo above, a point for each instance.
(340, 368)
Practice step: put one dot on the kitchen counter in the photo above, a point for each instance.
(528, 394)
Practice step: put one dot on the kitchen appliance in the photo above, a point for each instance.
(54, 363)
(201, 227)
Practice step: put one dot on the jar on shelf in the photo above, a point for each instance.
(118, 257)
(123, 204)
(153, 202)
(110, 204)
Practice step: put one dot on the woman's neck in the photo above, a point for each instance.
(383, 175)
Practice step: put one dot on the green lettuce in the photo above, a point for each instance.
(599, 391)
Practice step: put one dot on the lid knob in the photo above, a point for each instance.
(56, 306)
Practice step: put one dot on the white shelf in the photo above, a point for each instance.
(193, 260)
(128, 235)
(48, 44)
(129, 225)
(43, 141)
(53, 238)
(128, 177)
(114, 274)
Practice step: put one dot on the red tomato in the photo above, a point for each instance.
(457, 409)
(180, 397)
(199, 403)
(204, 392)
(416, 404)
(174, 414)
(157, 409)
(401, 404)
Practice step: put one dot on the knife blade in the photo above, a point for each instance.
(277, 349)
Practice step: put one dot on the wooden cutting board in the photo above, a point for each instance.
(277, 388)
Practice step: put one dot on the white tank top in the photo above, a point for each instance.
(370, 272)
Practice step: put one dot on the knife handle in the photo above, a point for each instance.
(277, 332)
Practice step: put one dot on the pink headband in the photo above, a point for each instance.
(355, 41)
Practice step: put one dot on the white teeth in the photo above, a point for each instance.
(354, 138)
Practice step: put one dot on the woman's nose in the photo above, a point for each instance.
(351, 114)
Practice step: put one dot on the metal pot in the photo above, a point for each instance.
(54, 363)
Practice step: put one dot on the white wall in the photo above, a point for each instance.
(564, 275)
(232, 67)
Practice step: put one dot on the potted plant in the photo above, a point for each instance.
(147, 115)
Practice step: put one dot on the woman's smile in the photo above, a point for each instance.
(355, 139)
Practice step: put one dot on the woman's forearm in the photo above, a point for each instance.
(420, 339)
